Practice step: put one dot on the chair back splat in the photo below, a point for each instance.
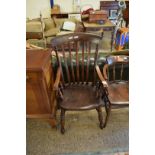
(77, 51)
(117, 68)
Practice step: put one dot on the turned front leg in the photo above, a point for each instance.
(108, 110)
(100, 117)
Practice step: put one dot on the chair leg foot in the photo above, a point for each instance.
(62, 121)
(100, 117)
(62, 130)
(101, 125)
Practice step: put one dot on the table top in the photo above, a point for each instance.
(108, 23)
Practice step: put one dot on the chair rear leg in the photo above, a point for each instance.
(62, 120)
(100, 117)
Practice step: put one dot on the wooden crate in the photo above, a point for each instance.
(96, 16)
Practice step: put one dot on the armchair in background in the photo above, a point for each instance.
(116, 74)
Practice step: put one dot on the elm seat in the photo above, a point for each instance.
(79, 90)
(85, 100)
(119, 93)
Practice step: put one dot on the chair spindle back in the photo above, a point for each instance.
(76, 54)
(117, 68)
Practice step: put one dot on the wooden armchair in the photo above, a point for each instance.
(79, 91)
(116, 73)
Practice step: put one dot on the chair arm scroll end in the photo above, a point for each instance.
(105, 84)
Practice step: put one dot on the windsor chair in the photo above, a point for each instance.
(116, 73)
(79, 90)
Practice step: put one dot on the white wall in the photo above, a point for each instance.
(67, 5)
(33, 8)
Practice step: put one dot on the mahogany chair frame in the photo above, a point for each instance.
(70, 44)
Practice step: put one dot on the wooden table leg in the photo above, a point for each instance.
(112, 38)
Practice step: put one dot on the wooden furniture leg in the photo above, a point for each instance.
(108, 110)
(100, 117)
(62, 120)
(52, 120)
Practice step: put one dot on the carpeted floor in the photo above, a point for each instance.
(83, 135)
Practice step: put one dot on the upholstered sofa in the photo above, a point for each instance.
(39, 31)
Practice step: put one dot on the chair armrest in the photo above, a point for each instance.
(57, 81)
(103, 81)
(105, 71)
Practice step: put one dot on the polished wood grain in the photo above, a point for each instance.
(39, 85)
(119, 93)
(78, 92)
(77, 97)
(98, 15)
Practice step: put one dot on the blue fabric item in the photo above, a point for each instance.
(52, 3)
(117, 39)
(127, 38)
(122, 39)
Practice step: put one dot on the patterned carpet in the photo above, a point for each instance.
(83, 135)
